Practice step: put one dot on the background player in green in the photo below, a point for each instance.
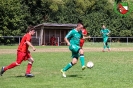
(73, 40)
(105, 33)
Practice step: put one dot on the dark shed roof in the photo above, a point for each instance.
(56, 25)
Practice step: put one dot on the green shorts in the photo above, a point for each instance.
(105, 39)
(75, 51)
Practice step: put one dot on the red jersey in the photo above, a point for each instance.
(23, 47)
(84, 31)
(82, 42)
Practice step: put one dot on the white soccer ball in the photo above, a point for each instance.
(90, 64)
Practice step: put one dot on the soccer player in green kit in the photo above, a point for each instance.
(105, 33)
(73, 40)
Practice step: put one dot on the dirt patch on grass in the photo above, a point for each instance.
(13, 51)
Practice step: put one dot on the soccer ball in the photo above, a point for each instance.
(90, 64)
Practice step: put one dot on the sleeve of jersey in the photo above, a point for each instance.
(101, 32)
(108, 31)
(68, 35)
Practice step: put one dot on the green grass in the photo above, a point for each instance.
(87, 44)
(100, 44)
(111, 70)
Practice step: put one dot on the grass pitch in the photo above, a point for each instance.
(111, 70)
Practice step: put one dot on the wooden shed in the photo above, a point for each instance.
(44, 32)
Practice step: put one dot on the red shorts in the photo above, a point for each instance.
(82, 42)
(22, 56)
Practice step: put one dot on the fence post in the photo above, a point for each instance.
(110, 40)
(39, 41)
(58, 41)
(19, 40)
(127, 40)
(93, 40)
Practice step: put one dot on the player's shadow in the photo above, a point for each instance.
(74, 76)
(19, 76)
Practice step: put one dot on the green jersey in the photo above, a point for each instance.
(74, 37)
(105, 32)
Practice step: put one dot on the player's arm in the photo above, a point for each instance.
(101, 32)
(108, 32)
(31, 45)
(67, 41)
(86, 37)
(67, 37)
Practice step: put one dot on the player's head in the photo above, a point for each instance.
(31, 30)
(79, 26)
(103, 26)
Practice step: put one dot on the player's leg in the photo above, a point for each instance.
(107, 45)
(20, 57)
(104, 44)
(68, 66)
(74, 51)
(81, 43)
(82, 60)
(29, 65)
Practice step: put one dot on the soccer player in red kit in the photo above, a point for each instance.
(23, 53)
(84, 32)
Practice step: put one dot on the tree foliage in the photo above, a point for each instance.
(12, 16)
(15, 15)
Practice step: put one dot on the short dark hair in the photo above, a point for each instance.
(80, 24)
(30, 28)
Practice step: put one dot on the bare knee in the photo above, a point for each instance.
(18, 63)
(81, 51)
(74, 61)
(31, 60)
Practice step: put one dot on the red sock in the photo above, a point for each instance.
(12, 65)
(28, 68)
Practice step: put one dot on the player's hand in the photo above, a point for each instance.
(68, 44)
(34, 49)
(107, 34)
(28, 51)
(89, 36)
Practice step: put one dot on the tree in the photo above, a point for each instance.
(15, 15)
(12, 14)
